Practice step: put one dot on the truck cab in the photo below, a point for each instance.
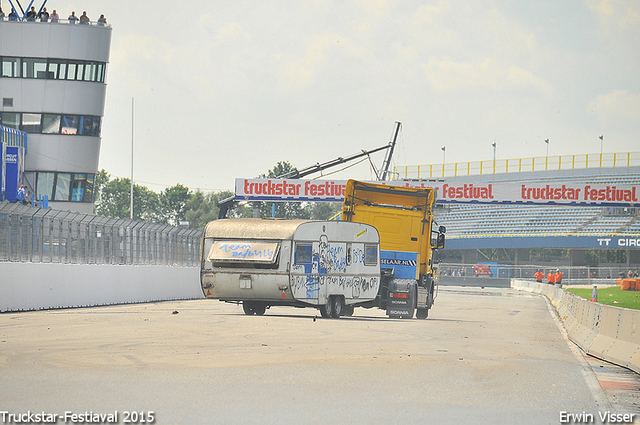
(403, 217)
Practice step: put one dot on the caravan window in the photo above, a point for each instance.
(303, 254)
(370, 255)
(244, 253)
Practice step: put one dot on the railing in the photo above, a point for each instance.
(13, 138)
(20, 19)
(579, 275)
(544, 163)
(43, 235)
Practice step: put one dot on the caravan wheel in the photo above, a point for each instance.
(259, 309)
(248, 308)
(338, 307)
(326, 310)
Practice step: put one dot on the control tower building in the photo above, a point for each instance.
(53, 86)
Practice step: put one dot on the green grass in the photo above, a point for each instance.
(613, 296)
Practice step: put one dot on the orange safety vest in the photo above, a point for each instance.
(558, 277)
(551, 278)
(539, 276)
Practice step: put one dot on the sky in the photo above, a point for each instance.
(223, 90)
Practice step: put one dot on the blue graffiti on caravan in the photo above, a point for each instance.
(337, 258)
(246, 251)
(313, 286)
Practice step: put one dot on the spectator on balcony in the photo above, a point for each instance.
(13, 16)
(72, 18)
(22, 195)
(84, 19)
(1, 15)
(44, 15)
(31, 15)
(55, 18)
(102, 21)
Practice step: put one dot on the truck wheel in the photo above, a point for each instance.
(248, 308)
(338, 307)
(259, 309)
(348, 310)
(326, 310)
(422, 313)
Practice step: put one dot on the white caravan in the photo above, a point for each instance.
(330, 265)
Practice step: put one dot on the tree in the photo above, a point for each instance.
(321, 210)
(115, 199)
(102, 178)
(281, 209)
(202, 208)
(173, 203)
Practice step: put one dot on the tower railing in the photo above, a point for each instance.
(518, 165)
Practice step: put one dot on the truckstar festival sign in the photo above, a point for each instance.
(569, 193)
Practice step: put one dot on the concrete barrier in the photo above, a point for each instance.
(35, 286)
(606, 332)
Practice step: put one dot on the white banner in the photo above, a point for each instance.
(570, 193)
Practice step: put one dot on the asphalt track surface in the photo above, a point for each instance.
(484, 356)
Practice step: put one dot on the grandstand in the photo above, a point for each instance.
(577, 226)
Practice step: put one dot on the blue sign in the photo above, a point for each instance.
(631, 241)
(404, 264)
(12, 172)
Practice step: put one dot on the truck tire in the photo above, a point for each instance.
(422, 313)
(338, 307)
(326, 310)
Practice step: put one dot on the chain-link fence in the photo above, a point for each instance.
(39, 235)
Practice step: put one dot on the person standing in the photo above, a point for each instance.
(558, 278)
(84, 19)
(13, 16)
(31, 15)
(1, 15)
(539, 276)
(102, 21)
(72, 18)
(55, 18)
(22, 195)
(44, 15)
(551, 278)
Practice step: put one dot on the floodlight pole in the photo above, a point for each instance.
(601, 141)
(547, 142)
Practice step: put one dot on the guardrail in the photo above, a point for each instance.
(542, 163)
(44, 235)
(606, 332)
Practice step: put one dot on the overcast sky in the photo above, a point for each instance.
(226, 89)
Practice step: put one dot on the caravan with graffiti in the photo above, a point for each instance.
(330, 265)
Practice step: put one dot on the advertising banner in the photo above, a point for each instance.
(12, 161)
(560, 193)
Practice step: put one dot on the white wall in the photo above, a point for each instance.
(606, 332)
(33, 286)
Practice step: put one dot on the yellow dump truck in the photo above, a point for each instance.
(403, 217)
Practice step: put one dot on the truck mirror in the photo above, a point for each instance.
(440, 241)
(442, 229)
